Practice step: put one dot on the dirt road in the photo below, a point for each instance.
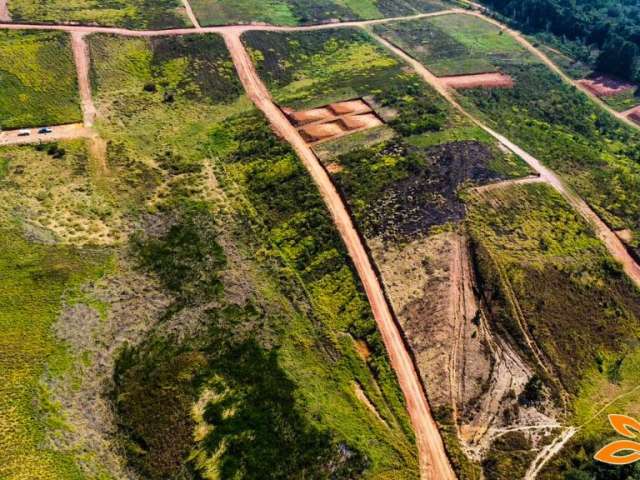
(434, 463)
(190, 14)
(614, 245)
(229, 29)
(81, 57)
(5, 16)
(60, 132)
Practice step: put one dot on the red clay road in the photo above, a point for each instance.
(604, 233)
(5, 16)
(434, 463)
(81, 57)
(86, 29)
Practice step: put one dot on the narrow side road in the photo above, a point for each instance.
(190, 14)
(434, 463)
(59, 132)
(81, 57)
(613, 243)
(548, 62)
(227, 29)
(5, 16)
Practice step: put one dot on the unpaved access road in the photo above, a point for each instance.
(613, 243)
(81, 57)
(225, 29)
(5, 16)
(190, 14)
(434, 463)
(59, 132)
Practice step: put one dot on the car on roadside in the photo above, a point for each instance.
(45, 130)
(24, 132)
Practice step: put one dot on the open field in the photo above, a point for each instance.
(123, 13)
(582, 316)
(295, 12)
(38, 80)
(454, 44)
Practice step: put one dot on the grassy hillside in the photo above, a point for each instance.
(38, 80)
(295, 12)
(546, 276)
(140, 14)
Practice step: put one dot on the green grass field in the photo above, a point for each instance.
(296, 12)
(38, 80)
(454, 44)
(583, 312)
(140, 14)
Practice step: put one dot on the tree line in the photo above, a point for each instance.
(612, 27)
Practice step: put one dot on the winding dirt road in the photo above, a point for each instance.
(434, 463)
(613, 243)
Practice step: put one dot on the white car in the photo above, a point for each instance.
(24, 132)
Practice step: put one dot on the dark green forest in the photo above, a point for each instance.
(609, 28)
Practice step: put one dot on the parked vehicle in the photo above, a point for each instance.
(24, 133)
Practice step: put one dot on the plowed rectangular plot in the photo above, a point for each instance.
(454, 44)
(141, 14)
(334, 120)
(480, 80)
(37, 80)
(294, 12)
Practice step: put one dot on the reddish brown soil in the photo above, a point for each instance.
(605, 86)
(633, 114)
(314, 133)
(334, 168)
(308, 116)
(351, 106)
(480, 80)
(368, 120)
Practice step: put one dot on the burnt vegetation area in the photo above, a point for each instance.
(419, 193)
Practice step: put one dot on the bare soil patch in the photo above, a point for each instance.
(309, 116)
(350, 106)
(333, 121)
(480, 80)
(633, 114)
(5, 16)
(334, 168)
(625, 235)
(606, 86)
(368, 120)
(314, 133)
